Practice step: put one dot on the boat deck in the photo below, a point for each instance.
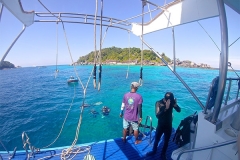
(109, 149)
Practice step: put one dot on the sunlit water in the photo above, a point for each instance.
(34, 101)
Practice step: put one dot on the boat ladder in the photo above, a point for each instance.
(146, 126)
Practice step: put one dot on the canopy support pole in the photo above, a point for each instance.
(183, 82)
(223, 65)
(174, 54)
(12, 44)
(1, 9)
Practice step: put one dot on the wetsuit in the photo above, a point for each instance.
(164, 123)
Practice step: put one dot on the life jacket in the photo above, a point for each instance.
(213, 93)
(214, 87)
(182, 135)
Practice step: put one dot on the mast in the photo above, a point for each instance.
(1, 9)
(223, 64)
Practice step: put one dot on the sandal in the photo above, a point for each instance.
(138, 141)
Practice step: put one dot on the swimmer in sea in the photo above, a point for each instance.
(93, 112)
(105, 110)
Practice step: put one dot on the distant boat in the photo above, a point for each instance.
(72, 80)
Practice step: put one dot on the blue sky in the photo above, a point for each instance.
(37, 45)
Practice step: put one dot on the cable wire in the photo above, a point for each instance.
(56, 71)
(95, 47)
(141, 78)
(128, 54)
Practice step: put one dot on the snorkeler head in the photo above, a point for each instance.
(169, 95)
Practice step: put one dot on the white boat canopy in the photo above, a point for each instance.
(234, 4)
(181, 12)
(15, 7)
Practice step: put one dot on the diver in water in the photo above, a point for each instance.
(93, 112)
(105, 110)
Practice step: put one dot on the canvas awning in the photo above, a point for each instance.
(181, 12)
(15, 7)
(234, 4)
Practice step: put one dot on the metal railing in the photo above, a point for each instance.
(229, 88)
(151, 128)
(207, 147)
(11, 156)
(175, 73)
(227, 93)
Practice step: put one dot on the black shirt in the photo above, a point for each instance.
(165, 115)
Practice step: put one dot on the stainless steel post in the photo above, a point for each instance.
(4, 56)
(180, 79)
(223, 64)
(228, 92)
(174, 57)
(1, 9)
(236, 120)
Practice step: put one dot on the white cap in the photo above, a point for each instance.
(135, 84)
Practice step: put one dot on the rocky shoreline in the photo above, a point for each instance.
(6, 65)
(185, 63)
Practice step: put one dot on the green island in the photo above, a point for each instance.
(125, 56)
(6, 65)
(132, 56)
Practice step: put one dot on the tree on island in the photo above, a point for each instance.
(123, 56)
(115, 55)
(6, 64)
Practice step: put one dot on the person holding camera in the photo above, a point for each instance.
(164, 109)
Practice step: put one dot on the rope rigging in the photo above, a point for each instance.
(84, 88)
(4, 147)
(95, 47)
(26, 139)
(63, 121)
(72, 149)
(234, 42)
(56, 71)
(100, 54)
(66, 153)
(140, 77)
(229, 64)
(69, 150)
(150, 13)
(128, 53)
(209, 37)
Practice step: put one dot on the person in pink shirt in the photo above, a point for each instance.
(132, 108)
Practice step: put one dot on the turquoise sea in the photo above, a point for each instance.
(33, 100)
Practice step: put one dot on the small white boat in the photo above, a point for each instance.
(72, 80)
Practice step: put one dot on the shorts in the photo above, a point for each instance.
(134, 124)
